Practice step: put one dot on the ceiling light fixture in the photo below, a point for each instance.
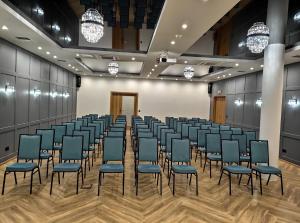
(251, 68)
(47, 52)
(218, 77)
(73, 67)
(155, 65)
(39, 11)
(150, 73)
(261, 65)
(258, 37)
(92, 25)
(77, 55)
(4, 27)
(224, 75)
(172, 42)
(55, 28)
(40, 48)
(153, 69)
(229, 74)
(176, 79)
(185, 61)
(188, 72)
(54, 57)
(67, 39)
(69, 65)
(113, 67)
(133, 58)
(236, 64)
(184, 26)
(76, 69)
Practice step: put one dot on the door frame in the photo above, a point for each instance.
(120, 93)
(214, 107)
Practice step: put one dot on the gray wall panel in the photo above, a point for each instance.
(293, 77)
(250, 83)
(22, 100)
(34, 102)
(45, 71)
(291, 115)
(23, 63)
(60, 76)
(44, 100)
(35, 68)
(7, 57)
(59, 101)
(240, 84)
(53, 73)
(7, 145)
(52, 102)
(7, 104)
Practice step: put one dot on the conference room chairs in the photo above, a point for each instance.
(226, 134)
(251, 135)
(180, 153)
(205, 126)
(192, 135)
(78, 124)
(236, 131)
(70, 127)
(112, 152)
(147, 160)
(169, 137)
(259, 153)
(60, 131)
(242, 139)
(46, 146)
(91, 147)
(214, 130)
(201, 143)
(72, 149)
(212, 150)
(29, 150)
(185, 130)
(231, 156)
(162, 145)
(224, 127)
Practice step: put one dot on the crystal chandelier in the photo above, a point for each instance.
(188, 72)
(258, 37)
(92, 25)
(113, 68)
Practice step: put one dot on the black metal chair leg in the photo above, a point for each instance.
(51, 182)
(160, 184)
(39, 172)
(82, 180)
(173, 184)
(281, 184)
(99, 182)
(204, 164)
(268, 179)
(77, 182)
(197, 184)
(240, 179)
(158, 175)
(209, 168)
(190, 179)
(137, 184)
(123, 183)
(251, 179)
(31, 179)
(260, 183)
(47, 168)
(4, 179)
(15, 175)
(58, 176)
(220, 177)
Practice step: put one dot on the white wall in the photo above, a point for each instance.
(157, 98)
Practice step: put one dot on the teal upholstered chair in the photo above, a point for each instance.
(185, 130)
(259, 153)
(180, 153)
(201, 143)
(148, 152)
(169, 137)
(236, 131)
(214, 130)
(242, 139)
(213, 150)
(46, 146)
(91, 148)
(224, 127)
(29, 150)
(215, 125)
(85, 146)
(60, 131)
(70, 127)
(251, 135)
(193, 131)
(162, 145)
(72, 149)
(112, 151)
(226, 134)
(205, 126)
(78, 124)
(158, 135)
(231, 156)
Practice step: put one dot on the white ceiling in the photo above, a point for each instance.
(199, 15)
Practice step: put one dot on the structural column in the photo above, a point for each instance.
(272, 80)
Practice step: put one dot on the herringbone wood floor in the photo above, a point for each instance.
(212, 205)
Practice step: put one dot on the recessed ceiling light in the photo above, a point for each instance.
(261, 65)
(172, 42)
(116, 76)
(184, 26)
(224, 75)
(47, 52)
(178, 36)
(155, 65)
(54, 57)
(150, 73)
(73, 67)
(77, 55)
(229, 74)
(176, 79)
(161, 78)
(40, 48)
(76, 69)
(69, 65)
(4, 27)
(218, 77)
(251, 68)
(152, 69)
(185, 61)
(101, 75)
(133, 58)
(236, 64)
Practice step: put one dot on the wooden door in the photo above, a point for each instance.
(219, 109)
(115, 105)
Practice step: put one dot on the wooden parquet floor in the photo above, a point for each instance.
(212, 205)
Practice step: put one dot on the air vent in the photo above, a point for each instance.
(23, 38)
(241, 71)
(108, 57)
(63, 61)
(86, 56)
(297, 56)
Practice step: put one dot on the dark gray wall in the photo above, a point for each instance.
(247, 116)
(22, 112)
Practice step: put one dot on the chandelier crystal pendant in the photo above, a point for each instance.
(92, 25)
(113, 68)
(258, 37)
(188, 72)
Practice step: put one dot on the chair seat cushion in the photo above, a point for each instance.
(57, 147)
(45, 155)
(245, 158)
(214, 157)
(66, 167)
(237, 169)
(184, 169)
(112, 168)
(148, 168)
(267, 169)
(21, 167)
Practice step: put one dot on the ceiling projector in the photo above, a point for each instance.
(163, 58)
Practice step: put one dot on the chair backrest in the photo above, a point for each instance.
(215, 125)
(205, 126)
(86, 137)
(145, 134)
(115, 134)
(47, 138)
(148, 150)
(97, 129)
(242, 142)
(78, 124)
(143, 130)
(155, 127)
(224, 127)
(72, 147)
(180, 150)
(60, 131)
(259, 151)
(230, 151)
(214, 130)
(185, 130)
(169, 137)
(201, 137)
(84, 121)
(159, 128)
(163, 134)
(226, 134)
(193, 133)
(101, 125)
(251, 135)
(213, 143)
(113, 149)
(92, 132)
(178, 126)
(29, 147)
(119, 124)
(236, 131)
(117, 129)
(70, 128)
